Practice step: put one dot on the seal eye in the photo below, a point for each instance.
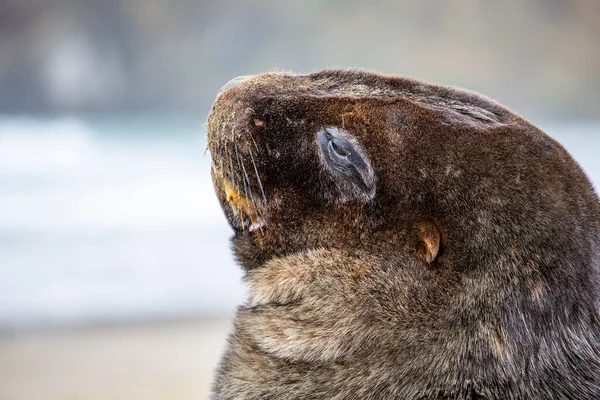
(347, 163)
(337, 150)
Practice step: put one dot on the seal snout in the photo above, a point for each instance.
(235, 156)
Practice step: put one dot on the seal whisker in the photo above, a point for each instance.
(233, 183)
(245, 176)
(221, 158)
(232, 174)
(249, 189)
(253, 141)
(256, 209)
(258, 177)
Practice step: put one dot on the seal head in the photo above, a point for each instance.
(402, 240)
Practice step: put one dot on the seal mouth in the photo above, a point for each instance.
(242, 212)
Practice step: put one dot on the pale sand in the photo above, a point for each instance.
(168, 360)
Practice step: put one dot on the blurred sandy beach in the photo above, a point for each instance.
(171, 360)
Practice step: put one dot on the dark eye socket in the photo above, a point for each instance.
(347, 163)
(337, 149)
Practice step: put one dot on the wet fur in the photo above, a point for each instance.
(340, 304)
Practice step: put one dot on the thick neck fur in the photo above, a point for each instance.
(317, 327)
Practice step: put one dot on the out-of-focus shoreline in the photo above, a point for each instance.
(172, 359)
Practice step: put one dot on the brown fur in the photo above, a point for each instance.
(349, 297)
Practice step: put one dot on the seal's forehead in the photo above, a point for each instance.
(272, 84)
(353, 83)
(365, 85)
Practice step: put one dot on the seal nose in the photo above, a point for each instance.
(235, 82)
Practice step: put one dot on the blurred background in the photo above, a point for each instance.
(116, 279)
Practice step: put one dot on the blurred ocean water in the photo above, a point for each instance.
(115, 219)
(110, 220)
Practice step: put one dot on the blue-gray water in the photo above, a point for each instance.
(115, 219)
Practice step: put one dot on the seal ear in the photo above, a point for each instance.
(429, 241)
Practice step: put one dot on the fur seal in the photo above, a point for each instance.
(402, 240)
